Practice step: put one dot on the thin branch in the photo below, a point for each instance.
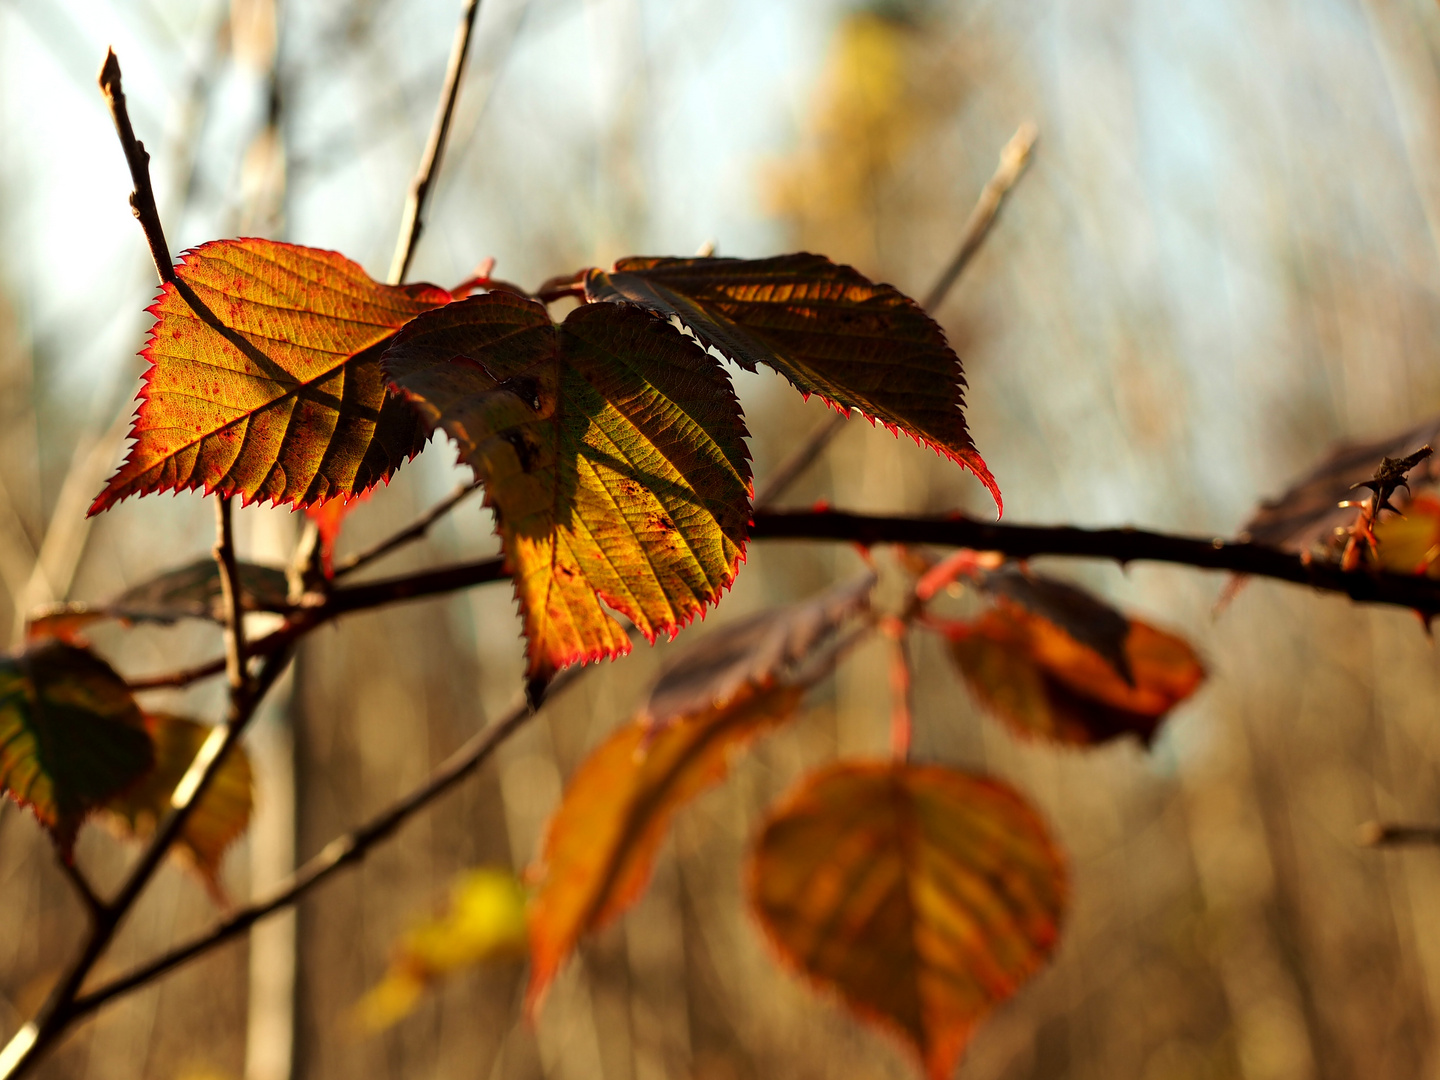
(414, 531)
(234, 617)
(82, 886)
(1013, 159)
(142, 199)
(413, 223)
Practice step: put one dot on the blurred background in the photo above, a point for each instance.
(1225, 255)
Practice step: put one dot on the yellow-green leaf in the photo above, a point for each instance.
(273, 391)
(922, 895)
(485, 923)
(601, 845)
(218, 820)
(71, 736)
(612, 449)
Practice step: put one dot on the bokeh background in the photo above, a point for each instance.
(1225, 255)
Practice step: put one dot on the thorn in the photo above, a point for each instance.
(535, 688)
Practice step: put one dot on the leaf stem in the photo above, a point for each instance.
(412, 224)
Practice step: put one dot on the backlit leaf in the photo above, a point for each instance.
(612, 449)
(752, 653)
(218, 820)
(601, 845)
(922, 895)
(71, 736)
(485, 923)
(825, 327)
(1410, 544)
(1046, 684)
(1082, 615)
(189, 592)
(274, 391)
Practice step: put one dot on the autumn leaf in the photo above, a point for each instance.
(188, 592)
(601, 845)
(1046, 683)
(922, 895)
(1410, 544)
(1080, 614)
(752, 653)
(612, 449)
(217, 821)
(265, 379)
(71, 736)
(484, 923)
(825, 327)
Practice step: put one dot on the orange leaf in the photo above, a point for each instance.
(1047, 684)
(273, 391)
(612, 449)
(1410, 544)
(601, 845)
(924, 896)
(826, 328)
(328, 518)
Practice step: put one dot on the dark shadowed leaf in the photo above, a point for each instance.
(71, 736)
(612, 449)
(1306, 516)
(220, 818)
(923, 896)
(1046, 684)
(826, 328)
(485, 923)
(273, 392)
(601, 845)
(189, 592)
(752, 653)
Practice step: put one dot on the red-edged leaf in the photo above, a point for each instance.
(752, 653)
(273, 391)
(71, 736)
(1045, 683)
(612, 449)
(825, 327)
(220, 818)
(601, 844)
(328, 518)
(188, 592)
(923, 896)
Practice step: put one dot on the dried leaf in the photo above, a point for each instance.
(1046, 684)
(485, 923)
(612, 449)
(752, 653)
(273, 392)
(601, 845)
(71, 736)
(189, 592)
(220, 818)
(825, 327)
(924, 896)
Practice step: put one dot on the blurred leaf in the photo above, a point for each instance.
(1046, 684)
(485, 923)
(71, 736)
(826, 328)
(1306, 516)
(752, 653)
(612, 449)
(922, 895)
(276, 394)
(601, 844)
(189, 592)
(1082, 615)
(220, 818)
(1411, 544)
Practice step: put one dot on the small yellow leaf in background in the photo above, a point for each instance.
(485, 923)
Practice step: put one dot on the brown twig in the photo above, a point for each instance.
(414, 531)
(1393, 834)
(234, 617)
(142, 198)
(413, 223)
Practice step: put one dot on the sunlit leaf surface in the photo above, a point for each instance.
(921, 895)
(612, 449)
(273, 391)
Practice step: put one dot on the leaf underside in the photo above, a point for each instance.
(71, 736)
(601, 845)
(924, 896)
(265, 379)
(612, 450)
(218, 820)
(825, 327)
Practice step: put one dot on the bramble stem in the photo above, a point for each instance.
(142, 198)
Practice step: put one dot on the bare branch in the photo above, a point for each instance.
(230, 595)
(413, 223)
(414, 531)
(142, 199)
